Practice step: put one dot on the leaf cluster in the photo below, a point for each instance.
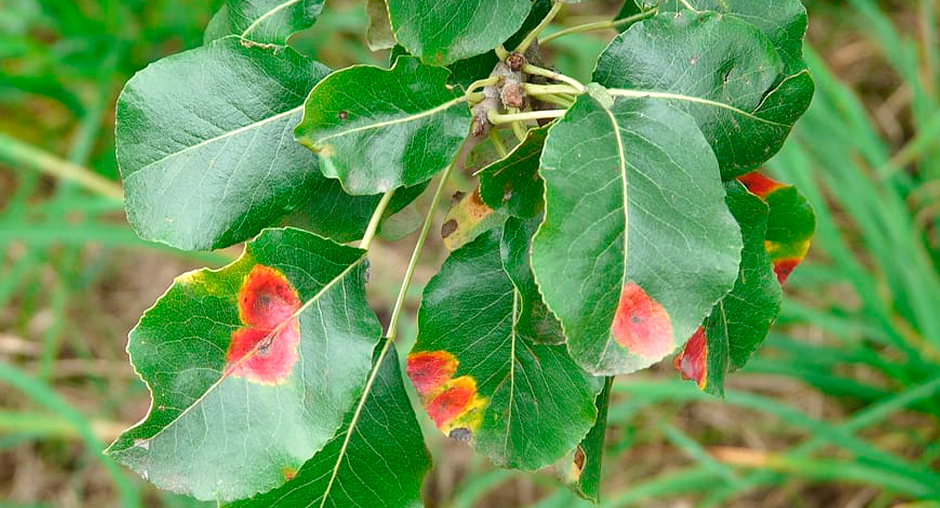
(615, 223)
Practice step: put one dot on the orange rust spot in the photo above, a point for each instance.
(453, 400)
(265, 349)
(692, 361)
(266, 299)
(429, 370)
(641, 324)
(784, 267)
(759, 185)
(289, 473)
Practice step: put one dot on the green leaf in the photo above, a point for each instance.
(723, 71)
(252, 367)
(637, 243)
(379, 129)
(520, 403)
(465, 72)
(205, 147)
(512, 185)
(739, 323)
(580, 470)
(377, 460)
(379, 33)
(444, 32)
(343, 218)
(782, 21)
(534, 321)
(263, 21)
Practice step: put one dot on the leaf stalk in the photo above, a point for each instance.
(600, 25)
(373, 226)
(530, 38)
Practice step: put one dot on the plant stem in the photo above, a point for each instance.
(599, 25)
(458, 162)
(501, 119)
(530, 38)
(501, 52)
(556, 100)
(498, 143)
(373, 227)
(18, 153)
(688, 5)
(518, 128)
(533, 89)
(550, 74)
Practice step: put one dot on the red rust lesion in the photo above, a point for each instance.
(692, 362)
(264, 350)
(454, 404)
(760, 185)
(641, 324)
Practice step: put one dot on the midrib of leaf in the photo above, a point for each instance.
(405, 119)
(261, 343)
(621, 155)
(217, 138)
(512, 365)
(264, 16)
(639, 94)
(355, 420)
(778, 87)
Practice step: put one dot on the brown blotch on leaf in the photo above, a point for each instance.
(343, 115)
(579, 458)
(289, 473)
(461, 434)
(448, 228)
(457, 197)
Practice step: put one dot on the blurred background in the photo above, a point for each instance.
(839, 409)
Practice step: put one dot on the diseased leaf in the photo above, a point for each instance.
(263, 21)
(580, 470)
(723, 71)
(468, 218)
(207, 164)
(379, 33)
(444, 32)
(378, 459)
(776, 241)
(512, 185)
(252, 367)
(379, 129)
(521, 403)
(343, 218)
(790, 226)
(739, 323)
(637, 244)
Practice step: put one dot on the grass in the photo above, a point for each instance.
(839, 409)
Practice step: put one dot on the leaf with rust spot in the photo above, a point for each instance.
(739, 323)
(376, 460)
(252, 367)
(467, 219)
(637, 244)
(518, 400)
